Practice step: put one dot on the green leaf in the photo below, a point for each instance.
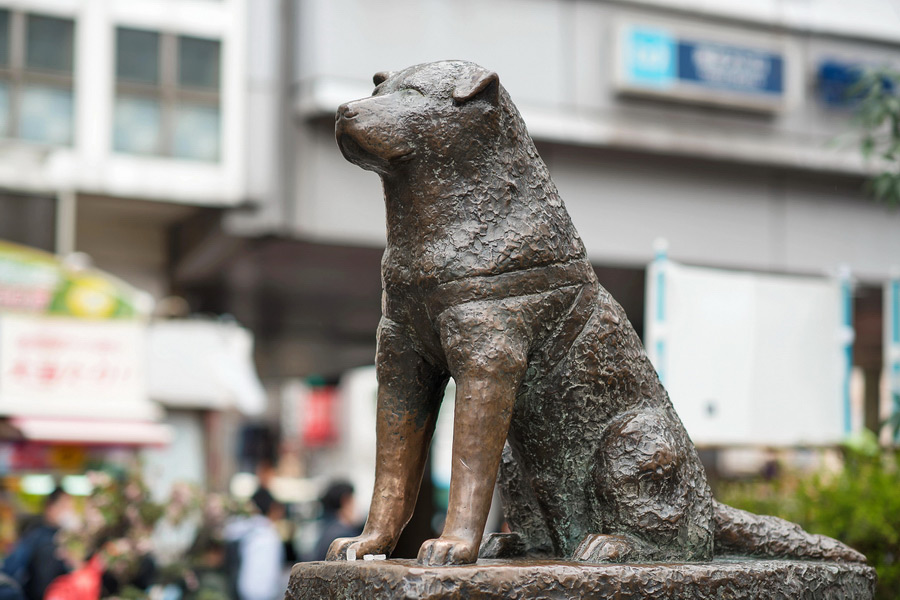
(895, 196)
(867, 146)
(883, 185)
(892, 152)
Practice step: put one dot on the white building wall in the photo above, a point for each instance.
(727, 216)
(711, 214)
(869, 19)
(265, 112)
(342, 43)
(826, 225)
(557, 59)
(746, 203)
(341, 203)
(708, 213)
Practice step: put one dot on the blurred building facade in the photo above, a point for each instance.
(109, 101)
(725, 129)
(123, 135)
(187, 146)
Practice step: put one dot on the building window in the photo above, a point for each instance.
(167, 95)
(36, 68)
(28, 220)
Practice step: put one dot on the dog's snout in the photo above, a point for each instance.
(345, 111)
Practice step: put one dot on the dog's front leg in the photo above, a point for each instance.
(488, 365)
(409, 393)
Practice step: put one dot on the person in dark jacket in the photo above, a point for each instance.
(34, 562)
(338, 517)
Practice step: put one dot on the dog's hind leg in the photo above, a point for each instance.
(652, 506)
(530, 533)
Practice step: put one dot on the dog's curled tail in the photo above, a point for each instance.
(744, 533)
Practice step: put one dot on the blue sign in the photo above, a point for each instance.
(665, 63)
(836, 81)
(731, 67)
(651, 59)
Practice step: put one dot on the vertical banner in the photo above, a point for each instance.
(846, 339)
(655, 317)
(892, 350)
(320, 425)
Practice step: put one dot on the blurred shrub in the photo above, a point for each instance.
(878, 118)
(858, 504)
(178, 544)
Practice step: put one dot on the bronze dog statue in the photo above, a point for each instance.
(486, 280)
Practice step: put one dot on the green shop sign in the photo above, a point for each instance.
(36, 282)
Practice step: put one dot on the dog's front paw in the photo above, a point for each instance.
(448, 551)
(502, 545)
(357, 547)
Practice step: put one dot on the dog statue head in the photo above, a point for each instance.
(430, 113)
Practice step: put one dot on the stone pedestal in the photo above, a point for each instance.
(734, 579)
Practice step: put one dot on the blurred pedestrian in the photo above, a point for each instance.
(258, 550)
(9, 510)
(208, 577)
(265, 476)
(84, 583)
(338, 517)
(35, 560)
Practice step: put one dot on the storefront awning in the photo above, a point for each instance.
(203, 364)
(78, 431)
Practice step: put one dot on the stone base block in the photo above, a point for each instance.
(734, 579)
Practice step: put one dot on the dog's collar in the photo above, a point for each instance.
(505, 285)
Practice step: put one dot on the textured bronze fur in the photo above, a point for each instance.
(486, 279)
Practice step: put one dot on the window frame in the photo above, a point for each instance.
(18, 75)
(168, 92)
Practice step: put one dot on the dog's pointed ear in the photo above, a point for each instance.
(482, 83)
(381, 76)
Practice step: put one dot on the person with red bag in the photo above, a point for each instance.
(84, 583)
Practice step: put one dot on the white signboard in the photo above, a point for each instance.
(61, 367)
(751, 358)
